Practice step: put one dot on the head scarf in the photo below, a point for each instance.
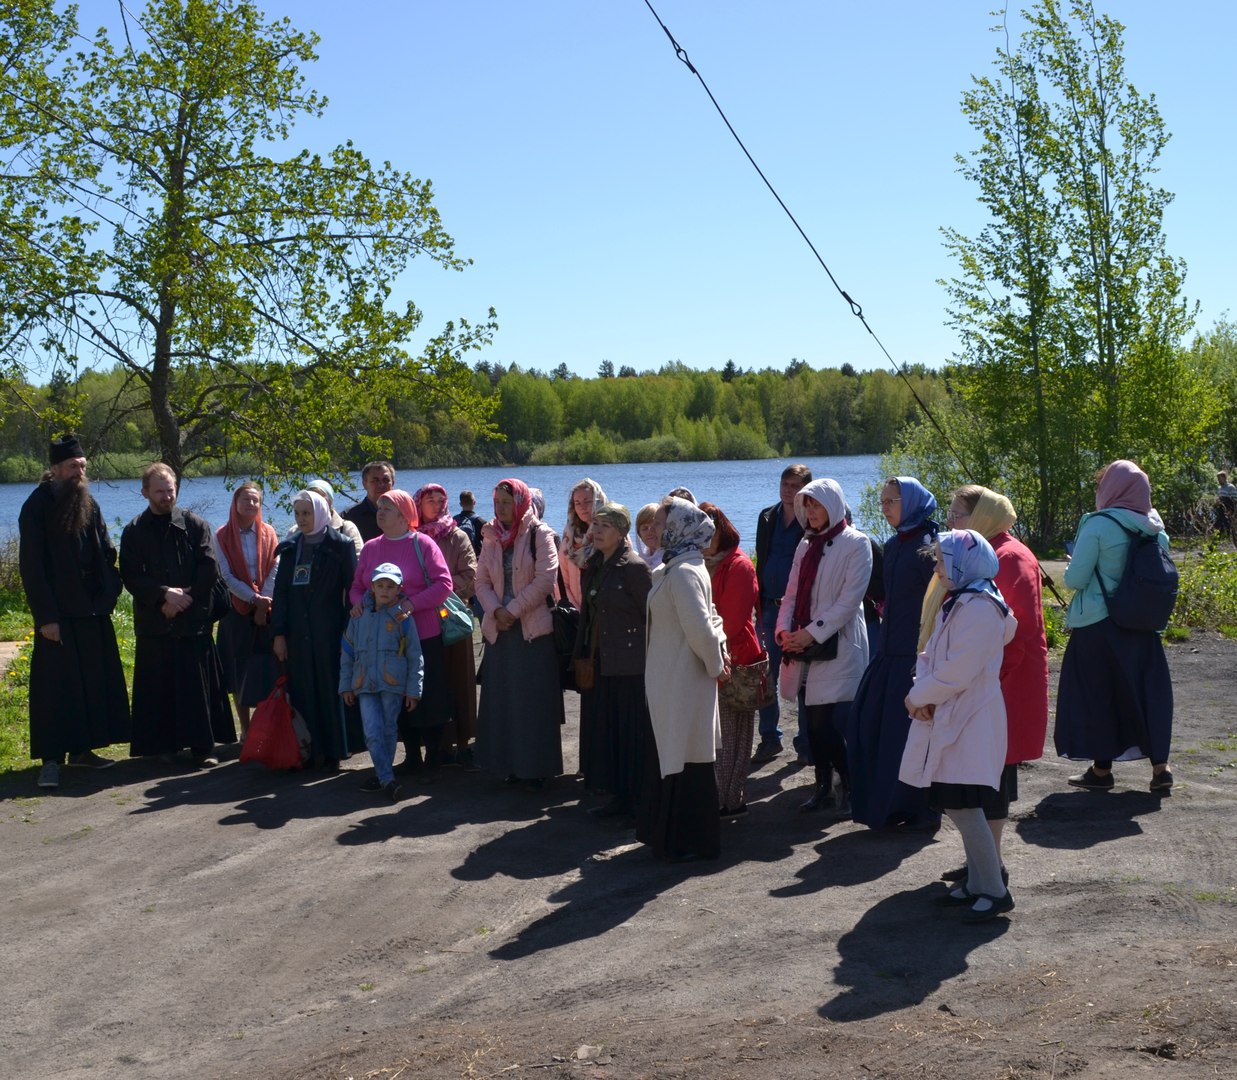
(615, 514)
(829, 494)
(575, 532)
(405, 504)
(993, 514)
(918, 506)
(688, 528)
(537, 497)
(322, 512)
(970, 565)
(523, 508)
(1123, 486)
(229, 538)
(444, 523)
(322, 488)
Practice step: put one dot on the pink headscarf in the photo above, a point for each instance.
(406, 506)
(1123, 485)
(523, 506)
(444, 523)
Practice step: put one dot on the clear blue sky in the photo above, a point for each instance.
(610, 215)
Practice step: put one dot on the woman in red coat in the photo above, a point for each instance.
(1024, 669)
(735, 597)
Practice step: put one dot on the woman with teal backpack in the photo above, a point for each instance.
(1115, 697)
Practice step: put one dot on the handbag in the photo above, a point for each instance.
(818, 650)
(565, 620)
(454, 616)
(585, 667)
(272, 738)
(749, 687)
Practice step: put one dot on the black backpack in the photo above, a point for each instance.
(1147, 590)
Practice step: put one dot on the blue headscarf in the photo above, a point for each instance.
(970, 565)
(918, 506)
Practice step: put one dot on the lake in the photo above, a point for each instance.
(741, 488)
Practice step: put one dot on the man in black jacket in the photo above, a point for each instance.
(378, 477)
(78, 701)
(778, 533)
(168, 563)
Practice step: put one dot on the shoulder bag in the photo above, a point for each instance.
(454, 616)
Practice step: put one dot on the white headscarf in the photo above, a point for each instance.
(322, 512)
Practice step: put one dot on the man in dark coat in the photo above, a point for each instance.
(78, 701)
(168, 564)
(778, 533)
(378, 477)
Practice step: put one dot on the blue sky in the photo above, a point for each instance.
(610, 215)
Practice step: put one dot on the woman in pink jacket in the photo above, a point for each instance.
(426, 584)
(521, 712)
(956, 743)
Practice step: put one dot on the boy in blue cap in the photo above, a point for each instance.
(382, 669)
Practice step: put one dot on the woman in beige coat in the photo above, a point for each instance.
(686, 654)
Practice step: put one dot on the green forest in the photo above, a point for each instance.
(531, 417)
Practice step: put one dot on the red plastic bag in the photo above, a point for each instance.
(272, 738)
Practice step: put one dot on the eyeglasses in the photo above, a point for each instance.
(886, 503)
(955, 515)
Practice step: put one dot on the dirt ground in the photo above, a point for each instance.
(233, 923)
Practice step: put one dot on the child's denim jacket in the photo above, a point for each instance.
(380, 653)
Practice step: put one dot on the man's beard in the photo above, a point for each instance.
(73, 505)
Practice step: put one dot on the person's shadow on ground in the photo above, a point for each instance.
(880, 972)
(608, 892)
(854, 857)
(1075, 820)
(442, 807)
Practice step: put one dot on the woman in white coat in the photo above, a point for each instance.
(957, 746)
(686, 654)
(822, 613)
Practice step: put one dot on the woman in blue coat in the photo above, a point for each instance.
(878, 722)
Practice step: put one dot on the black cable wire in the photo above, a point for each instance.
(855, 308)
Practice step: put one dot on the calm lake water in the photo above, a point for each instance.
(740, 488)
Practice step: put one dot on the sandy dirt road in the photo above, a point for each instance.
(232, 923)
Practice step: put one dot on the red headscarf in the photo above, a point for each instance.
(441, 525)
(523, 505)
(229, 538)
(406, 505)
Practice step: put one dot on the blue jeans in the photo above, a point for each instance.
(380, 722)
(770, 732)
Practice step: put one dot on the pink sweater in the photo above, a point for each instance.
(425, 598)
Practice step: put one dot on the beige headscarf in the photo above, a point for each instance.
(993, 514)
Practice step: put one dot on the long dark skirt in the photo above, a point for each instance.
(434, 708)
(614, 716)
(519, 720)
(249, 666)
(78, 700)
(876, 731)
(462, 680)
(1115, 696)
(677, 814)
(178, 698)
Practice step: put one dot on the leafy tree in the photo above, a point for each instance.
(1068, 305)
(246, 297)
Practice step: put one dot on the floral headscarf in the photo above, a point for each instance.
(322, 512)
(444, 523)
(970, 565)
(575, 532)
(405, 504)
(523, 508)
(993, 514)
(688, 528)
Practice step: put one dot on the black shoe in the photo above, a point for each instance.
(1161, 781)
(372, 784)
(998, 905)
(738, 811)
(393, 790)
(1092, 781)
(954, 897)
(816, 802)
(88, 759)
(765, 752)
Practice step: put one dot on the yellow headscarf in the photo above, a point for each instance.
(993, 514)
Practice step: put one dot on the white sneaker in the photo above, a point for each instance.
(49, 775)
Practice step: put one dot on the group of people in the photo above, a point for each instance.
(918, 668)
